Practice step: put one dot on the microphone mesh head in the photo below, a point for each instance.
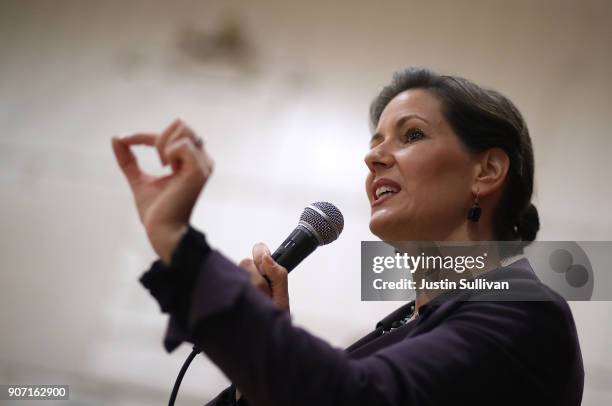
(324, 219)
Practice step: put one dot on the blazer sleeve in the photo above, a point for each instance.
(274, 362)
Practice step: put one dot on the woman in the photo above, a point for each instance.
(457, 164)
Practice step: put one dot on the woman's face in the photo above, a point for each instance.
(420, 175)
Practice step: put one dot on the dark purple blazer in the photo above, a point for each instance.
(484, 352)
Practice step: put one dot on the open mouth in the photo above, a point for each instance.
(384, 189)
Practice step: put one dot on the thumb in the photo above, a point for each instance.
(277, 275)
(272, 269)
(260, 250)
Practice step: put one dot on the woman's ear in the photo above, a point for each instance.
(491, 170)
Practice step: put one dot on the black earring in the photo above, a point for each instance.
(475, 210)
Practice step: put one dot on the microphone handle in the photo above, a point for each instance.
(295, 248)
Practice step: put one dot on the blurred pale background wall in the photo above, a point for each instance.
(281, 91)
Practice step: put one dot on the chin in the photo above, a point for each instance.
(385, 228)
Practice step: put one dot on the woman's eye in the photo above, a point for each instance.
(414, 134)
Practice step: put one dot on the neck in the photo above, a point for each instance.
(469, 232)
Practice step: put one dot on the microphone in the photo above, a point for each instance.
(320, 224)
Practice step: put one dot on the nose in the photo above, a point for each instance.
(379, 158)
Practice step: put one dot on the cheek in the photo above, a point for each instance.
(368, 184)
(436, 179)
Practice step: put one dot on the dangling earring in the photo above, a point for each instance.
(475, 210)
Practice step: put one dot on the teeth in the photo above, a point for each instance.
(385, 189)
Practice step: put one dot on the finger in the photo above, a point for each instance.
(162, 140)
(261, 283)
(256, 279)
(247, 264)
(183, 131)
(259, 251)
(199, 159)
(279, 285)
(276, 273)
(183, 154)
(139, 139)
(207, 162)
(126, 160)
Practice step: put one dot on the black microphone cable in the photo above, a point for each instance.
(195, 351)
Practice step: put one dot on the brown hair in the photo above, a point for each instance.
(482, 119)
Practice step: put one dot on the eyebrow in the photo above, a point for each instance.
(399, 123)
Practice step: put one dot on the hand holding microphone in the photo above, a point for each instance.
(320, 223)
(268, 276)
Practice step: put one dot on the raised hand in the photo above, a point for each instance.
(165, 203)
